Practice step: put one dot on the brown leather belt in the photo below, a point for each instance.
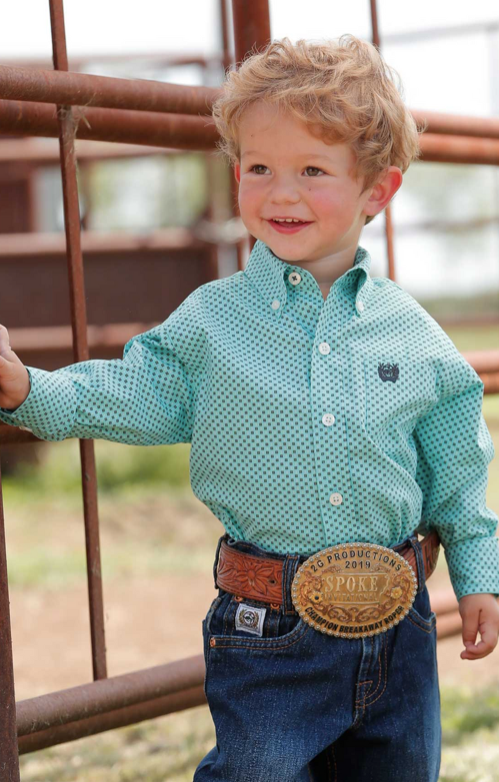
(257, 578)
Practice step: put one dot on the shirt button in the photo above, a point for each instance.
(328, 419)
(324, 348)
(336, 498)
(275, 304)
(360, 306)
(295, 278)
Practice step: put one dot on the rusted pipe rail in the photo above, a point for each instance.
(459, 149)
(34, 245)
(81, 89)
(41, 153)
(48, 338)
(129, 715)
(88, 700)
(457, 124)
(132, 127)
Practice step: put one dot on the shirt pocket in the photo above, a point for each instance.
(398, 391)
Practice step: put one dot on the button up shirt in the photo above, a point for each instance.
(311, 422)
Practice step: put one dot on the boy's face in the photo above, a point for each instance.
(285, 171)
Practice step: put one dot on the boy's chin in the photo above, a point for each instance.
(284, 254)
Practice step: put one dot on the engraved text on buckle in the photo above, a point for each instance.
(354, 590)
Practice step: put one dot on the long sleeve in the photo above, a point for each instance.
(144, 398)
(454, 449)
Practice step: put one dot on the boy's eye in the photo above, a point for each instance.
(257, 165)
(313, 168)
(308, 168)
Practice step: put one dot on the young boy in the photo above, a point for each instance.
(331, 421)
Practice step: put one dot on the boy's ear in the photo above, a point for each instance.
(237, 171)
(383, 191)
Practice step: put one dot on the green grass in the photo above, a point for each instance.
(167, 748)
(470, 735)
(119, 468)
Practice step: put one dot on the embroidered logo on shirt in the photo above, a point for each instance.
(388, 372)
(250, 618)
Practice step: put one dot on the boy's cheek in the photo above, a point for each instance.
(331, 204)
(250, 203)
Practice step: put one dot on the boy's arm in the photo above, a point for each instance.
(454, 449)
(144, 398)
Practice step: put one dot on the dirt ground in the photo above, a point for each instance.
(149, 622)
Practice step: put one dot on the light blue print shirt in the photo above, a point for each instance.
(311, 422)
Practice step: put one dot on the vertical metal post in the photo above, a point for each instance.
(9, 755)
(80, 344)
(251, 30)
(388, 210)
(224, 29)
(228, 60)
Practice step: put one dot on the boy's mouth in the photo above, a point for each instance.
(288, 228)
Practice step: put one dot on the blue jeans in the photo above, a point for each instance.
(297, 705)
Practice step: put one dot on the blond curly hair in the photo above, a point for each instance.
(342, 89)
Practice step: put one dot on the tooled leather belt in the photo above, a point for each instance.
(258, 578)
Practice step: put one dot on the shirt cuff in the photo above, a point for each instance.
(49, 410)
(474, 566)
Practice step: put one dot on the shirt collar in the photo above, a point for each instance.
(267, 273)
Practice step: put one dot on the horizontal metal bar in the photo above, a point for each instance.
(450, 624)
(457, 124)
(48, 338)
(46, 153)
(37, 245)
(483, 360)
(80, 89)
(104, 695)
(13, 435)
(459, 149)
(137, 58)
(58, 734)
(180, 131)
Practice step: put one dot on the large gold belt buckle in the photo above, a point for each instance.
(354, 590)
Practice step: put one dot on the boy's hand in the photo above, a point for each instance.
(14, 378)
(479, 612)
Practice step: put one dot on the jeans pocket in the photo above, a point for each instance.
(420, 612)
(252, 623)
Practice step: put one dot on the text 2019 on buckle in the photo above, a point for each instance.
(354, 590)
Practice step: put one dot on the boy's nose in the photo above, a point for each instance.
(284, 194)
(284, 190)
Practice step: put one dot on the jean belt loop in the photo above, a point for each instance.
(289, 569)
(217, 553)
(418, 551)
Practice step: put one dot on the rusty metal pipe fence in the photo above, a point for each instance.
(69, 105)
